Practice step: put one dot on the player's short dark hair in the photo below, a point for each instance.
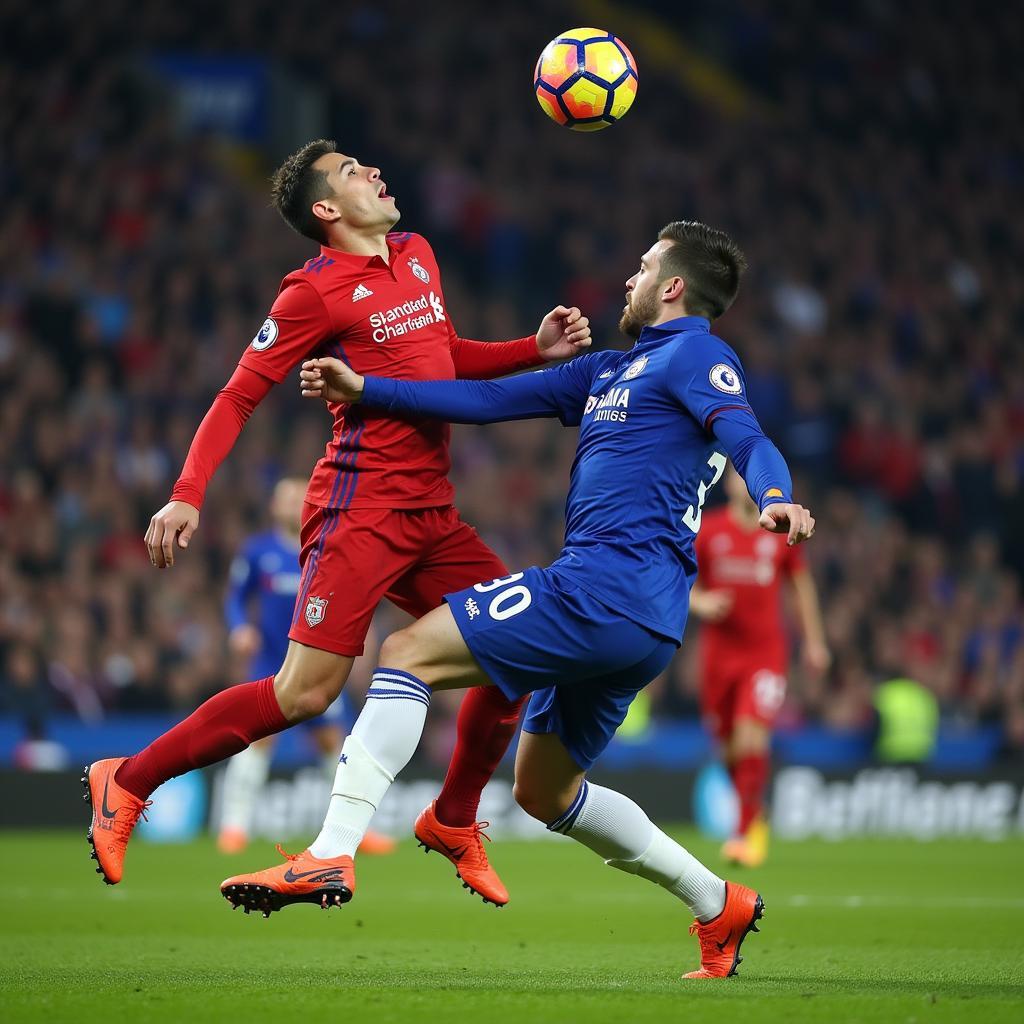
(710, 263)
(296, 185)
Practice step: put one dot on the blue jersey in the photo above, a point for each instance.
(655, 425)
(266, 571)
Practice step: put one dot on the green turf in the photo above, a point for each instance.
(867, 931)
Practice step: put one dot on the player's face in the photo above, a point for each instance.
(360, 198)
(286, 504)
(642, 299)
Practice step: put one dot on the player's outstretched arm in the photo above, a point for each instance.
(529, 396)
(563, 333)
(765, 472)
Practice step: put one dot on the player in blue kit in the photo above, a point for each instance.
(588, 632)
(258, 608)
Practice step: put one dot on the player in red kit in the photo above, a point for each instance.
(744, 650)
(378, 519)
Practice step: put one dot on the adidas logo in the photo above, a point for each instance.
(361, 292)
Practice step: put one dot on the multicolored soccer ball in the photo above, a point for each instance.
(585, 79)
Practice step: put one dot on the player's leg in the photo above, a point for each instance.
(552, 787)
(428, 654)
(118, 788)
(326, 634)
(328, 735)
(244, 776)
(520, 632)
(229, 721)
(487, 719)
(565, 729)
(759, 696)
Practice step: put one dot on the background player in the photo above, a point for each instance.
(591, 630)
(378, 519)
(265, 574)
(744, 649)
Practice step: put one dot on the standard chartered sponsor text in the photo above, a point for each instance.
(409, 316)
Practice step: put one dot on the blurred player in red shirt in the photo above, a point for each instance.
(744, 650)
(378, 520)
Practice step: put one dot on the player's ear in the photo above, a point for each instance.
(673, 289)
(326, 210)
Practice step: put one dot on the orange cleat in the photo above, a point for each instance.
(465, 849)
(751, 849)
(232, 841)
(376, 844)
(115, 812)
(303, 878)
(722, 936)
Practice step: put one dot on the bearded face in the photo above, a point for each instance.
(641, 309)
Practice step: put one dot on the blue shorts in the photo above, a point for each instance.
(538, 632)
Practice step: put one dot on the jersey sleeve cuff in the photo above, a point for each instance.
(188, 493)
(378, 391)
(774, 496)
(531, 354)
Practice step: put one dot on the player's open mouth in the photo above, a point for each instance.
(382, 193)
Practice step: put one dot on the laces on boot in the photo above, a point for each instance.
(476, 854)
(123, 826)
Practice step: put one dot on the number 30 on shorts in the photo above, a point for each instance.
(510, 601)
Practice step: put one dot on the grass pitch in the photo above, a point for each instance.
(865, 931)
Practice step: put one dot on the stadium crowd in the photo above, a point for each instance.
(869, 163)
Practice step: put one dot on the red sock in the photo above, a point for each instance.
(485, 727)
(749, 778)
(225, 724)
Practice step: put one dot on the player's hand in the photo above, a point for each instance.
(331, 380)
(562, 333)
(714, 605)
(177, 520)
(817, 658)
(244, 640)
(787, 517)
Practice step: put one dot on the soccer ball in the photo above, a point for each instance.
(585, 79)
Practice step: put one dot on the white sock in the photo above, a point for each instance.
(383, 739)
(244, 777)
(618, 830)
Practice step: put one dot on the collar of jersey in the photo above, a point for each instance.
(359, 262)
(681, 325)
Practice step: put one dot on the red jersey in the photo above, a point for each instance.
(382, 318)
(750, 564)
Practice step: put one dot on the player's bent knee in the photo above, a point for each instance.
(312, 703)
(299, 705)
(537, 802)
(302, 697)
(398, 650)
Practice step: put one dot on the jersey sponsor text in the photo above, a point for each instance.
(389, 323)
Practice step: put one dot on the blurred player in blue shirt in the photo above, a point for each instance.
(258, 608)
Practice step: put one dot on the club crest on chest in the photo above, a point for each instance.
(421, 272)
